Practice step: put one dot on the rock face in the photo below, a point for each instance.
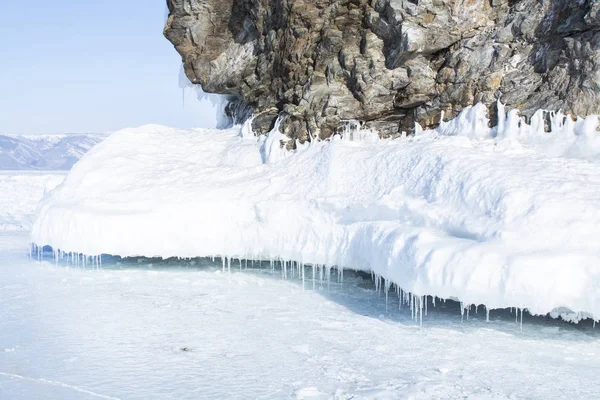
(390, 63)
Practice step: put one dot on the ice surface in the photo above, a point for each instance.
(488, 216)
(186, 330)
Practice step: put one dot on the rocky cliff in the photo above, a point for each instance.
(390, 63)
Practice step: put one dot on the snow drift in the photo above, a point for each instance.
(506, 217)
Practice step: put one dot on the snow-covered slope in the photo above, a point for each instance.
(484, 216)
(44, 152)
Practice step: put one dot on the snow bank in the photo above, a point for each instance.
(463, 212)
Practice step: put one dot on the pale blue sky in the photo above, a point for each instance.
(89, 66)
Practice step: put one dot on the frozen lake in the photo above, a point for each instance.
(177, 330)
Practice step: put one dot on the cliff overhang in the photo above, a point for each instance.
(389, 63)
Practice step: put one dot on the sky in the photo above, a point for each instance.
(73, 66)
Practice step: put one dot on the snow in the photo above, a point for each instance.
(567, 138)
(20, 192)
(485, 216)
(184, 329)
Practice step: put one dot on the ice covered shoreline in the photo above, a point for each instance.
(505, 217)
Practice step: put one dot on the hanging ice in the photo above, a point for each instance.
(487, 216)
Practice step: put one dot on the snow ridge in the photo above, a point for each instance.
(488, 216)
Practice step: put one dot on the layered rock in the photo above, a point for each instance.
(390, 63)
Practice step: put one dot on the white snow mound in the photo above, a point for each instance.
(482, 215)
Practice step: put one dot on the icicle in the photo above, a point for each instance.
(462, 312)
(468, 308)
(421, 311)
(517, 314)
(487, 314)
(228, 265)
(434, 301)
(302, 277)
(223, 261)
(521, 320)
(400, 298)
(425, 305)
(314, 267)
(386, 295)
(284, 270)
(240, 261)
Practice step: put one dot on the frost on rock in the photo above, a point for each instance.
(505, 216)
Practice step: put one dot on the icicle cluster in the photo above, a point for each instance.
(353, 131)
(320, 274)
(67, 258)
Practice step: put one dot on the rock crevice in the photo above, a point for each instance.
(390, 63)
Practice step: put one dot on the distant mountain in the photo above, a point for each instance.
(44, 152)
